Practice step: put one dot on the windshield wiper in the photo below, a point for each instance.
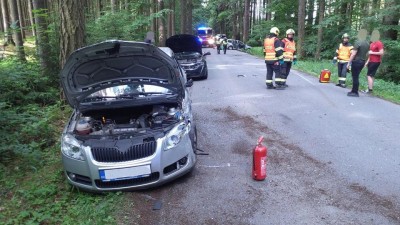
(132, 95)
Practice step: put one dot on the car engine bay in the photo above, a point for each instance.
(126, 120)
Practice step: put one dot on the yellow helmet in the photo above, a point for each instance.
(345, 35)
(274, 30)
(290, 31)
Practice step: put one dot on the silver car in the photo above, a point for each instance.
(132, 126)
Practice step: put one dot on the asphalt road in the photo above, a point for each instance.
(332, 159)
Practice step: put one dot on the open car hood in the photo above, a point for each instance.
(113, 63)
(184, 43)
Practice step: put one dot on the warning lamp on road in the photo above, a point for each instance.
(325, 76)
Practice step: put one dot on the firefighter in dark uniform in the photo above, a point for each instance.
(225, 44)
(218, 44)
(273, 59)
(342, 57)
(289, 55)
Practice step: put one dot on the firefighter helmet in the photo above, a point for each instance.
(290, 31)
(274, 30)
(345, 35)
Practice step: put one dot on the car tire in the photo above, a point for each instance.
(230, 48)
(194, 139)
(205, 76)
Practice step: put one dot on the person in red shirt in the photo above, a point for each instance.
(375, 58)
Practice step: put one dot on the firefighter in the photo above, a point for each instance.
(225, 44)
(273, 59)
(342, 57)
(289, 55)
(218, 44)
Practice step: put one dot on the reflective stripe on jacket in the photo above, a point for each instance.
(270, 49)
(289, 50)
(344, 52)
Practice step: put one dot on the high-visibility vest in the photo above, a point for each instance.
(218, 41)
(269, 48)
(288, 50)
(344, 53)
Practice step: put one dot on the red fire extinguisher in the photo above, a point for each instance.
(260, 161)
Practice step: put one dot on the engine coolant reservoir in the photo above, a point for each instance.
(83, 126)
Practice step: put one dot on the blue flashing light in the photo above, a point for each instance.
(202, 28)
(201, 40)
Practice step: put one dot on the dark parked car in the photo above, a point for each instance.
(188, 52)
(132, 126)
(236, 44)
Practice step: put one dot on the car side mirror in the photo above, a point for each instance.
(189, 83)
(207, 53)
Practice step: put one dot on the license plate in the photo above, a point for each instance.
(125, 173)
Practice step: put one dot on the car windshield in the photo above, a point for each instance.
(128, 91)
(184, 55)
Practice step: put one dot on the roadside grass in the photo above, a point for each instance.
(384, 89)
(33, 188)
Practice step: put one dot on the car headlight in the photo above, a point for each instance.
(199, 63)
(211, 41)
(175, 135)
(71, 147)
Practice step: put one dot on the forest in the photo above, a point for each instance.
(39, 35)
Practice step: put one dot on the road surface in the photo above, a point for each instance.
(332, 159)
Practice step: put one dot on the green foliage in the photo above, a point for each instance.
(22, 84)
(122, 25)
(261, 30)
(390, 67)
(33, 188)
(23, 117)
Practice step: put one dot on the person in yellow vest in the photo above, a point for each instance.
(224, 44)
(273, 59)
(289, 55)
(218, 44)
(342, 57)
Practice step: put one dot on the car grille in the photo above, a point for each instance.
(134, 152)
(127, 183)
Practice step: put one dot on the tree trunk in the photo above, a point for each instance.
(189, 16)
(253, 15)
(310, 13)
(268, 16)
(17, 36)
(320, 29)
(21, 19)
(301, 27)
(183, 16)
(246, 20)
(161, 26)
(171, 19)
(6, 23)
(1, 22)
(153, 9)
(72, 28)
(29, 3)
(42, 37)
(113, 5)
(391, 20)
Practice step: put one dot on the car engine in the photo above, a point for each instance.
(127, 120)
